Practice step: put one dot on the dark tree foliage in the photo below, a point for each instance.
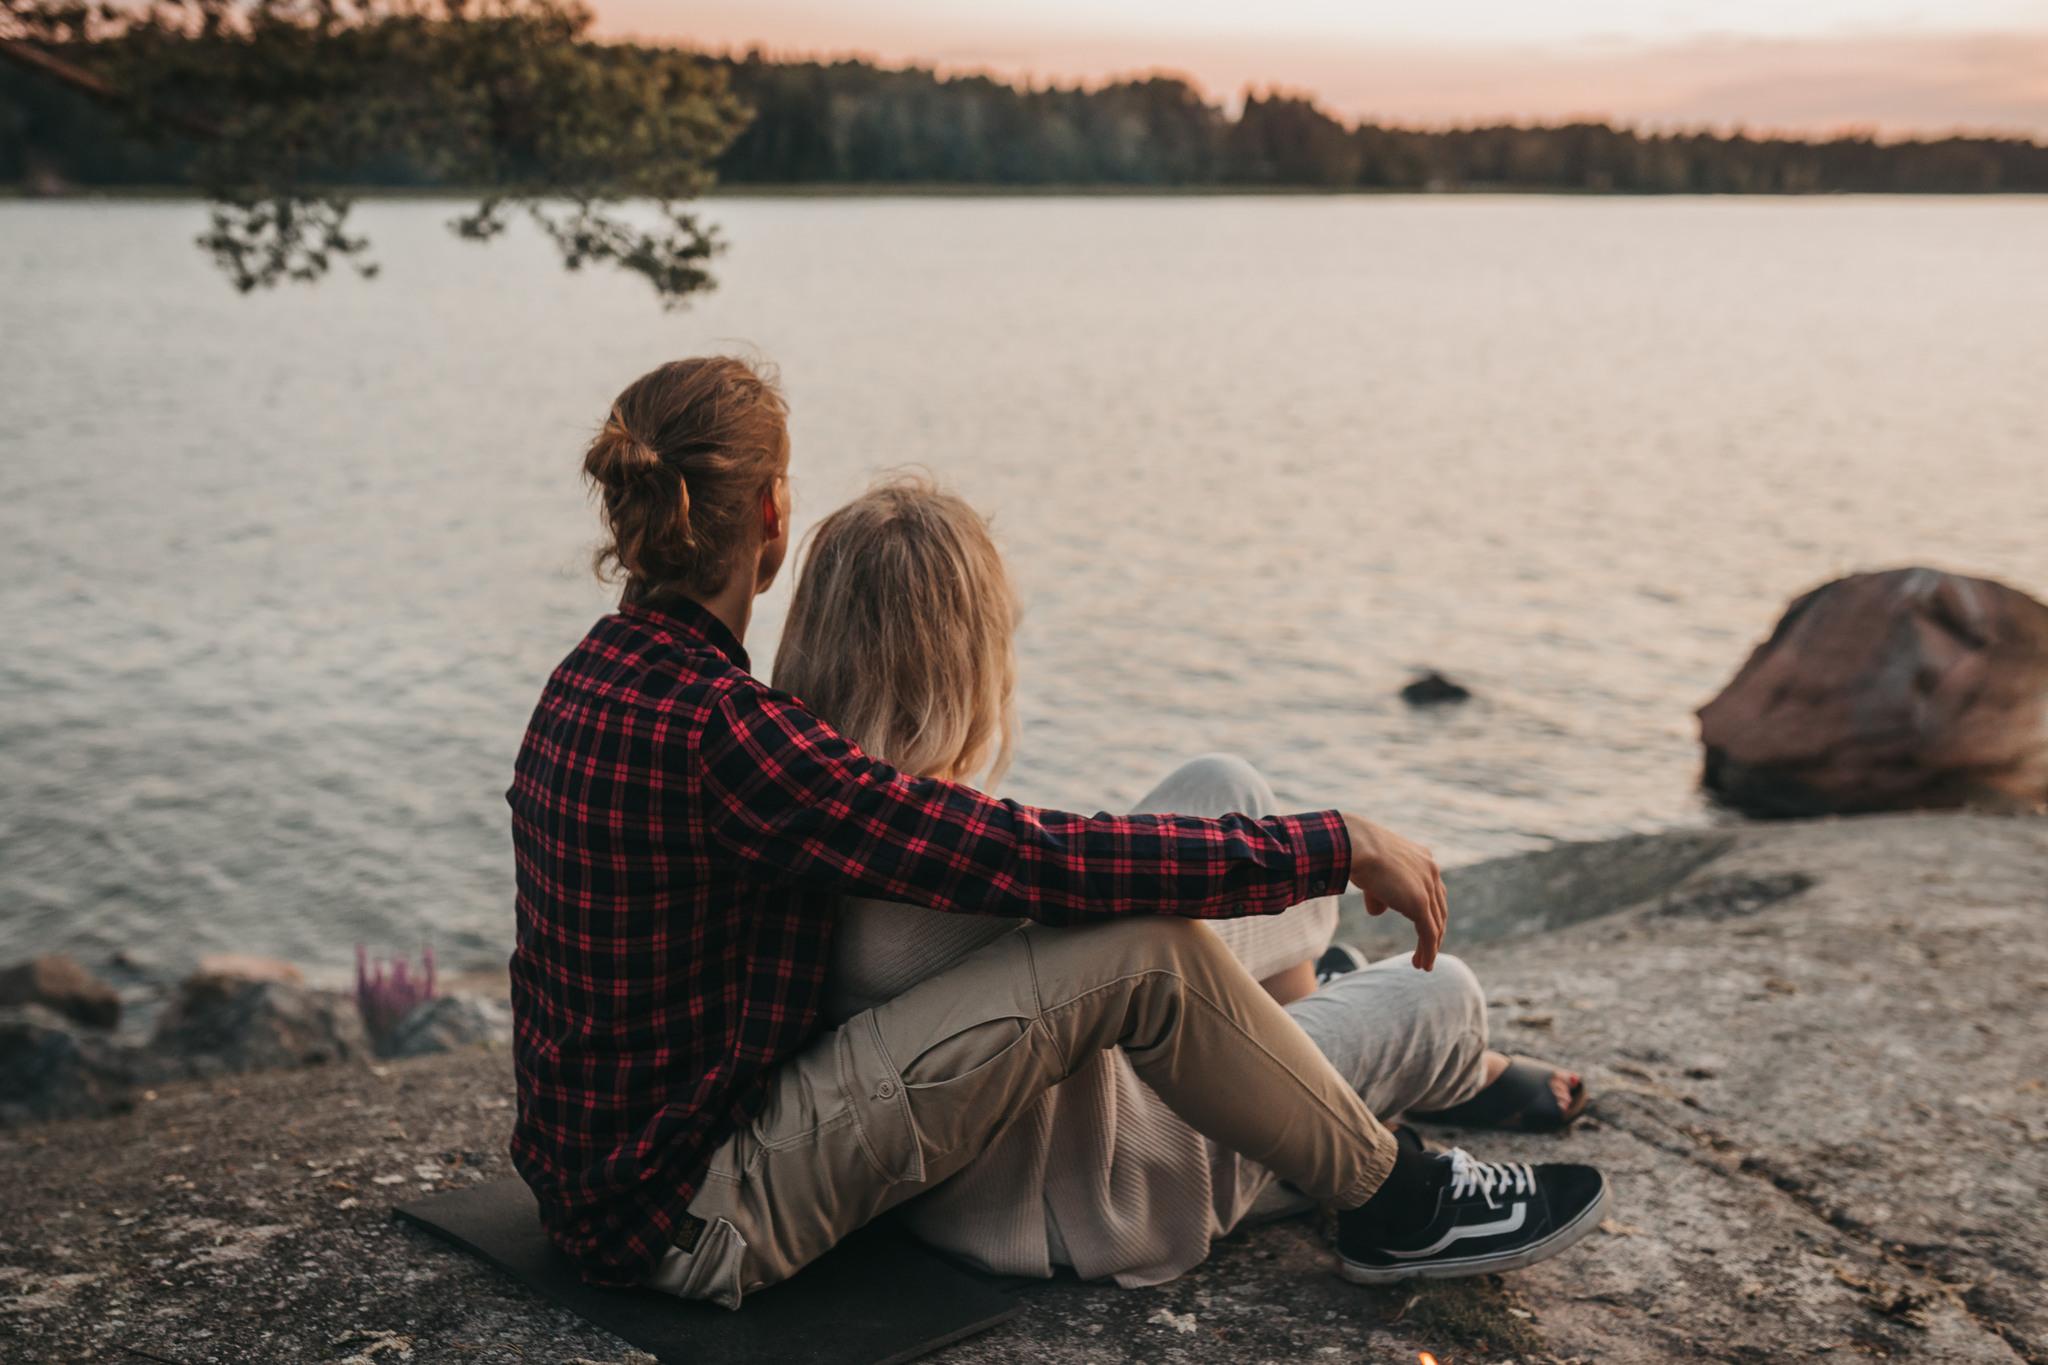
(1286, 140)
(850, 122)
(275, 108)
(305, 100)
(853, 123)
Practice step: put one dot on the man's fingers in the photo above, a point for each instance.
(1400, 875)
(1429, 934)
(1425, 947)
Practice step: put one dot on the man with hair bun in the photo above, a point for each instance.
(683, 834)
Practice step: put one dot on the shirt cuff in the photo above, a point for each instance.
(1324, 867)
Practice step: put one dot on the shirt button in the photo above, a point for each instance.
(885, 1090)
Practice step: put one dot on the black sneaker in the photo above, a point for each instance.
(1489, 1217)
(1339, 959)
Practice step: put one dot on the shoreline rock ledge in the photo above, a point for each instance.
(232, 1015)
(1907, 689)
(1818, 1087)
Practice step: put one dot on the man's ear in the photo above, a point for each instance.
(774, 536)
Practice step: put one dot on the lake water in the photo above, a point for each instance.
(281, 576)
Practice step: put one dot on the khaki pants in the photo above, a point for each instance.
(904, 1095)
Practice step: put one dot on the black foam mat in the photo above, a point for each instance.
(877, 1298)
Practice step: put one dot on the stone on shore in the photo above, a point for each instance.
(52, 1068)
(1907, 689)
(221, 1024)
(249, 967)
(1818, 1088)
(448, 1022)
(57, 983)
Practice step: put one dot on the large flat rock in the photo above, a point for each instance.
(1823, 1099)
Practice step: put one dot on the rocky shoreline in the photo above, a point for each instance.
(1821, 1093)
(72, 1045)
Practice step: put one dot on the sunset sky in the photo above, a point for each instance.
(1798, 65)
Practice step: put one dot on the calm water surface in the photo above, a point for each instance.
(280, 577)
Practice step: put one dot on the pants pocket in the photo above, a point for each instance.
(959, 1055)
(967, 1089)
(875, 1090)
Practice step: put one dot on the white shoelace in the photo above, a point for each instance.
(1471, 1176)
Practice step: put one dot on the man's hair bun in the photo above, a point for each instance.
(679, 464)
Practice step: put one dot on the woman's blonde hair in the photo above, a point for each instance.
(900, 633)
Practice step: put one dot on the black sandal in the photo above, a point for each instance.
(1519, 1100)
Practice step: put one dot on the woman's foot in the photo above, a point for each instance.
(1565, 1086)
(1520, 1095)
(1494, 1106)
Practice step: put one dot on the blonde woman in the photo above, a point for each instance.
(683, 835)
(900, 636)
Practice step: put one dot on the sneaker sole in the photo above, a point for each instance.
(1565, 1237)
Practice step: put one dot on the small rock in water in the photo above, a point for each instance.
(1432, 689)
(57, 983)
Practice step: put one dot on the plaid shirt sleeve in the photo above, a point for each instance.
(793, 802)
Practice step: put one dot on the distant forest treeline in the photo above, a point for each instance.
(854, 123)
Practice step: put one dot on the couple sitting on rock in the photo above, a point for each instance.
(782, 967)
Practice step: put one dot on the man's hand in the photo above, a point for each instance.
(1399, 875)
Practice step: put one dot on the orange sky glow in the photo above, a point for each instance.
(1798, 66)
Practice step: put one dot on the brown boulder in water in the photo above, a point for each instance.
(1910, 688)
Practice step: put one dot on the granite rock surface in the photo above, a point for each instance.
(1822, 1097)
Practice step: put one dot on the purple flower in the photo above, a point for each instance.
(388, 991)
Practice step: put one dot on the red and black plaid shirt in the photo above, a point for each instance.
(682, 834)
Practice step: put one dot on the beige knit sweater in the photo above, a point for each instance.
(1098, 1174)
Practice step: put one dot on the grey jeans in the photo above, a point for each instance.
(1405, 1039)
(1100, 1174)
